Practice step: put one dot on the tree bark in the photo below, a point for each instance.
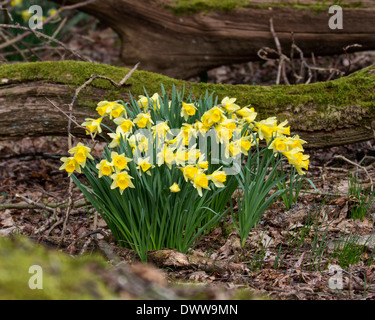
(325, 114)
(183, 41)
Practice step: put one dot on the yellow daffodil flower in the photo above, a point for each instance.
(105, 168)
(117, 136)
(93, 126)
(81, 153)
(122, 181)
(187, 109)
(160, 129)
(165, 156)
(175, 188)
(248, 114)
(16, 3)
(143, 120)
(229, 104)
(218, 178)
(70, 165)
(200, 181)
(189, 172)
(26, 15)
(143, 165)
(104, 107)
(51, 12)
(117, 111)
(120, 162)
(139, 141)
(143, 102)
(298, 159)
(213, 116)
(125, 124)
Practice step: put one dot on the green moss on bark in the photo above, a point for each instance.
(189, 7)
(62, 276)
(339, 102)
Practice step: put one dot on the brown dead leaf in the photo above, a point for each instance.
(340, 201)
(149, 273)
(6, 219)
(297, 265)
(364, 226)
(8, 231)
(199, 276)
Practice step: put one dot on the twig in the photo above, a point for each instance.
(70, 117)
(354, 164)
(57, 223)
(34, 205)
(32, 155)
(282, 57)
(356, 45)
(40, 34)
(38, 205)
(6, 10)
(13, 45)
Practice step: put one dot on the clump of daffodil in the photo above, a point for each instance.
(157, 182)
(227, 119)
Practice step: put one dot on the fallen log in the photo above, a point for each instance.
(182, 38)
(326, 114)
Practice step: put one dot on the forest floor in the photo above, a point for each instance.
(292, 254)
(311, 251)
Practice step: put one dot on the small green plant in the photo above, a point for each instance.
(319, 245)
(360, 200)
(349, 252)
(293, 187)
(310, 224)
(278, 260)
(256, 182)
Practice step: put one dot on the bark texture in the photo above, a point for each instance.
(325, 114)
(184, 38)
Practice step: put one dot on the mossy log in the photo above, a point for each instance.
(88, 277)
(182, 38)
(63, 277)
(325, 114)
